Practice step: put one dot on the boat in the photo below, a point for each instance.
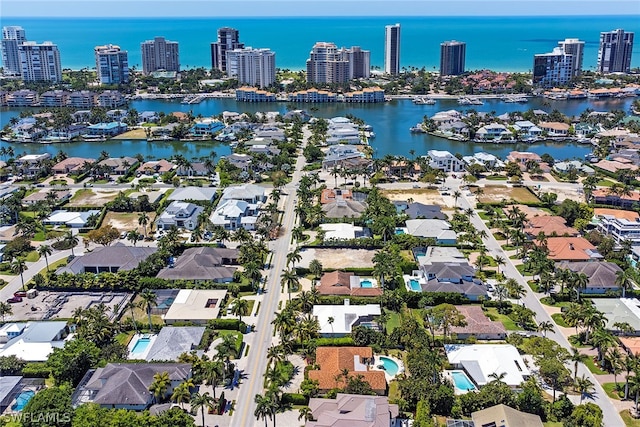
(464, 101)
(515, 98)
(417, 128)
(421, 100)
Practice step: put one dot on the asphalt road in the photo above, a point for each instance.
(257, 360)
(599, 397)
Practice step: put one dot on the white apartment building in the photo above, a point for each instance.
(620, 229)
(392, 49)
(40, 62)
(255, 67)
(444, 161)
(112, 64)
(12, 37)
(160, 55)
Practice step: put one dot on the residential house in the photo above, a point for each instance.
(333, 361)
(601, 274)
(564, 167)
(117, 115)
(22, 98)
(82, 99)
(433, 254)
(111, 99)
(621, 229)
(444, 161)
(148, 117)
(250, 193)
(570, 249)
(202, 264)
(72, 165)
(555, 128)
(345, 318)
(57, 197)
(485, 159)
(549, 225)
(31, 164)
(241, 161)
(233, 214)
(196, 306)
(451, 277)
(179, 214)
(352, 410)
(527, 129)
(33, 341)
(119, 165)
(342, 283)
(54, 98)
(206, 127)
(478, 325)
(620, 310)
(415, 210)
(73, 219)
(480, 361)
(336, 154)
(494, 132)
(156, 167)
(126, 385)
(614, 166)
(111, 259)
(437, 229)
(626, 201)
(107, 129)
(10, 387)
(201, 194)
(502, 415)
(342, 203)
(173, 341)
(344, 231)
(523, 157)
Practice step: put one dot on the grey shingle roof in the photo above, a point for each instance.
(172, 341)
(601, 274)
(119, 255)
(202, 263)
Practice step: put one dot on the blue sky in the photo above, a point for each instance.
(260, 8)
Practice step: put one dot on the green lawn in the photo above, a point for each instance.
(533, 285)
(612, 392)
(628, 420)
(510, 325)
(496, 177)
(553, 303)
(394, 391)
(509, 247)
(483, 215)
(589, 363)
(559, 319)
(604, 183)
(523, 270)
(53, 266)
(32, 256)
(553, 424)
(124, 337)
(393, 322)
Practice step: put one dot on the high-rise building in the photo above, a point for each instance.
(359, 62)
(452, 54)
(574, 47)
(559, 66)
(12, 37)
(392, 49)
(40, 62)
(160, 55)
(614, 55)
(112, 64)
(255, 67)
(228, 39)
(327, 64)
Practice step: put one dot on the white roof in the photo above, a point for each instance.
(71, 218)
(191, 304)
(340, 231)
(439, 153)
(482, 360)
(193, 193)
(246, 191)
(437, 228)
(344, 316)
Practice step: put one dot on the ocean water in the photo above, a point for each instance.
(498, 43)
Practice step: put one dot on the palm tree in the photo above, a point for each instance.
(240, 308)
(202, 401)
(159, 386)
(315, 268)
(576, 357)
(630, 365)
(293, 257)
(19, 266)
(213, 373)
(181, 393)
(545, 327)
(284, 322)
(290, 281)
(133, 236)
(143, 220)
(499, 260)
(456, 195)
(305, 414)
(148, 301)
(71, 240)
(502, 293)
(5, 309)
(584, 386)
(330, 321)
(45, 251)
(263, 408)
(275, 354)
(624, 280)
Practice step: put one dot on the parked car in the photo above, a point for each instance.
(20, 294)
(14, 300)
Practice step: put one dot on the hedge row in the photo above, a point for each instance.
(294, 399)
(36, 370)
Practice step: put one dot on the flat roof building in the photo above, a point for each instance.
(452, 56)
(195, 305)
(12, 38)
(112, 64)
(614, 55)
(228, 39)
(40, 62)
(392, 49)
(255, 67)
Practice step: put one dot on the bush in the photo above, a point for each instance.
(227, 325)
(294, 399)
(334, 342)
(36, 370)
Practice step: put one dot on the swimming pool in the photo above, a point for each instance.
(389, 365)
(141, 345)
(415, 285)
(461, 381)
(366, 284)
(23, 398)
(399, 231)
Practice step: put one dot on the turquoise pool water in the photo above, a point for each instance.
(415, 285)
(366, 284)
(390, 366)
(399, 231)
(461, 381)
(141, 345)
(23, 398)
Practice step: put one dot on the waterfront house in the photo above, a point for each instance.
(602, 275)
(353, 410)
(179, 214)
(54, 98)
(480, 361)
(312, 95)
(126, 385)
(233, 214)
(118, 165)
(554, 128)
(366, 95)
(445, 161)
(22, 98)
(83, 99)
(202, 264)
(206, 127)
(107, 129)
(570, 249)
(527, 129)
(357, 361)
(494, 132)
(108, 259)
(252, 94)
(148, 117)
(345, 318)
(111, 99)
